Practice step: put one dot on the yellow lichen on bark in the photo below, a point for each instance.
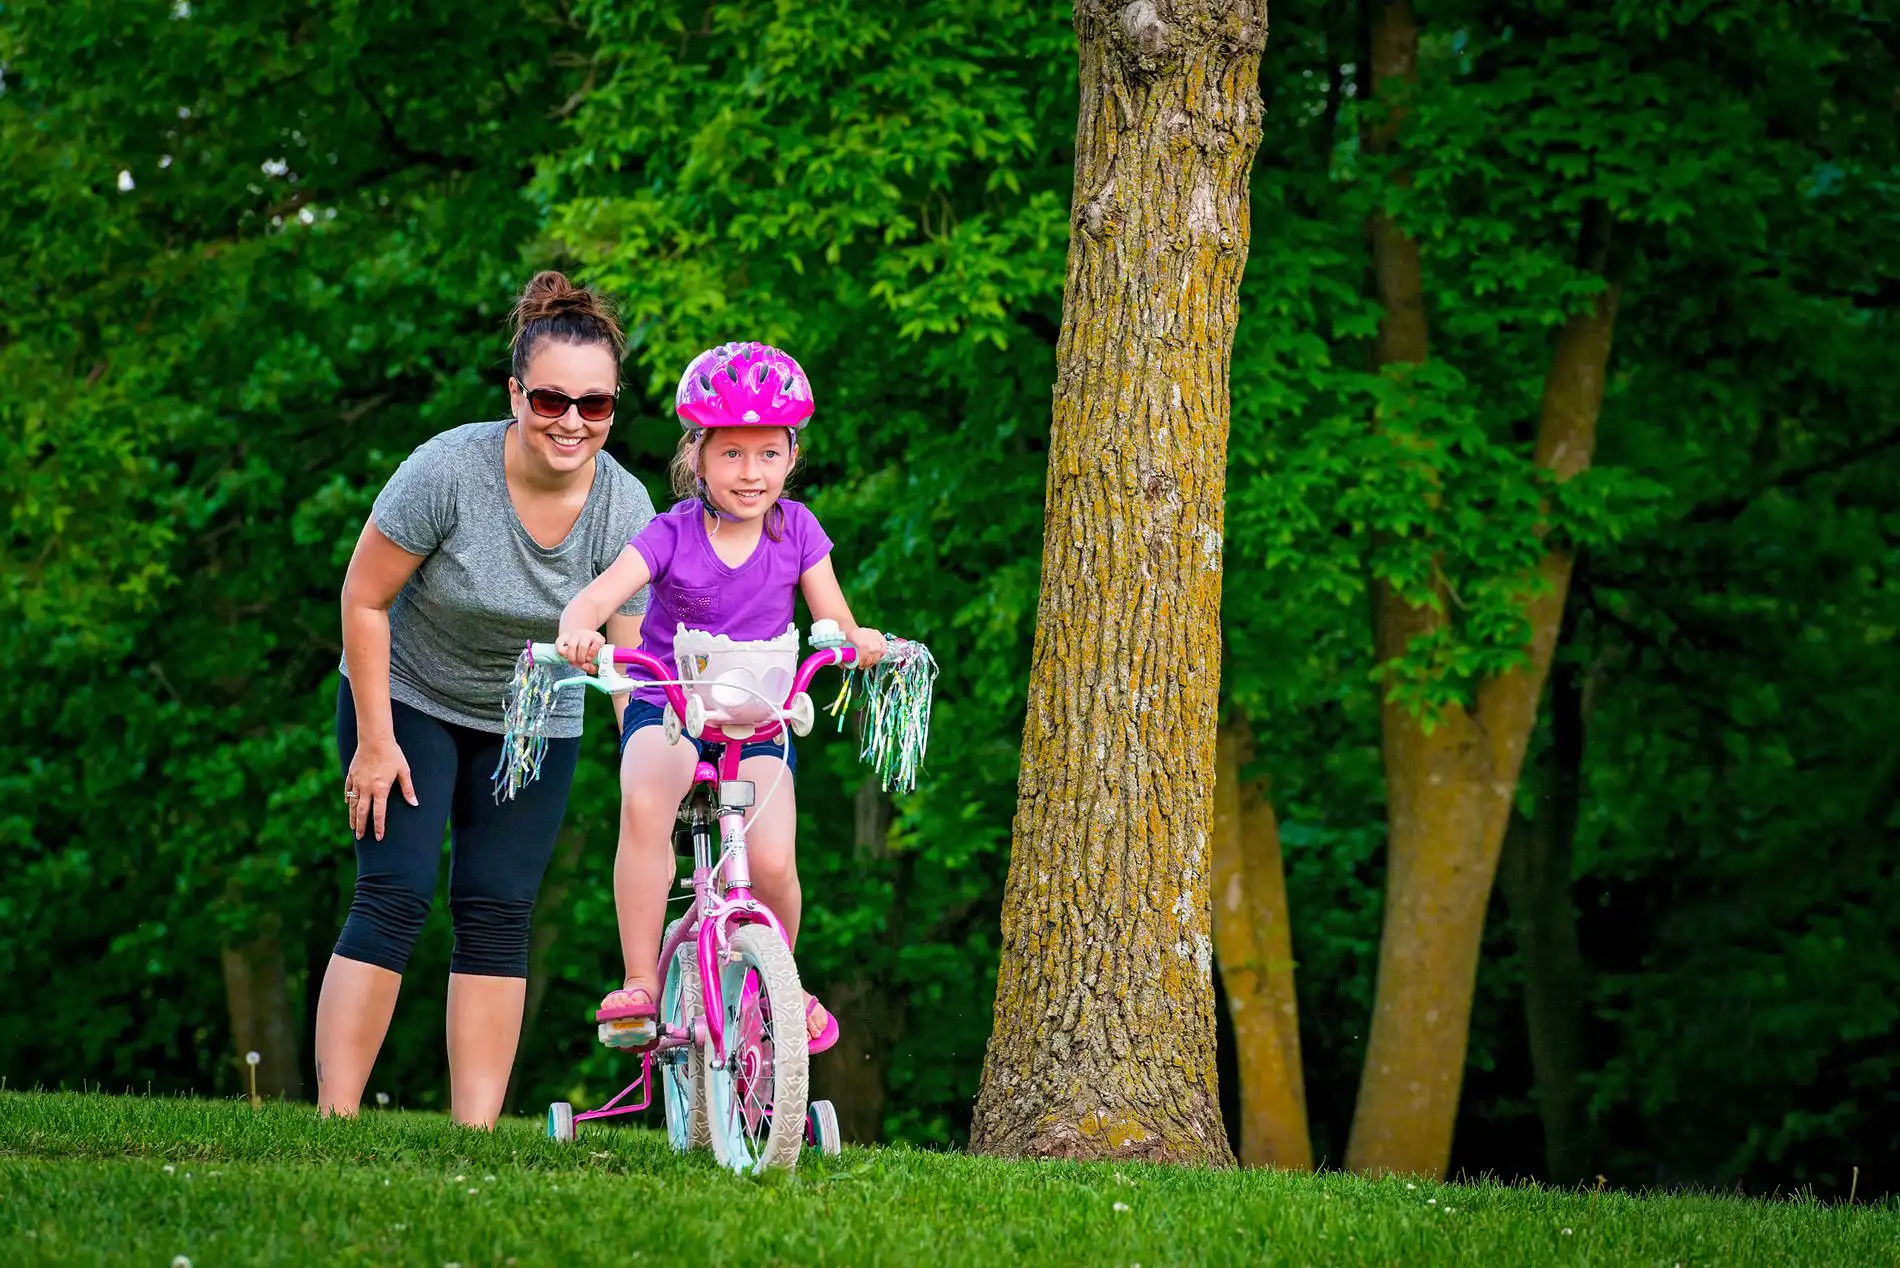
(1253, 945)
(1103, 1041)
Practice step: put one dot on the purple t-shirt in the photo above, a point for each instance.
(693, 587)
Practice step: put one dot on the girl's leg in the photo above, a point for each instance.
(395, 883)
(654, 777)
(771, 840)
(500, 851)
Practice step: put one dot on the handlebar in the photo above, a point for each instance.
(612, 658)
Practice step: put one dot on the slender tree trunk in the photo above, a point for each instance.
(853, 1076)
(1254, 946)
(1103, 1044)
(1450, 787)
(257, 993)
(1535, 875)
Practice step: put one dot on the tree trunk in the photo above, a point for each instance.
(257, 992)
(1254, 945)
(1535, 875)
(1103, 1044)
(1449, 788)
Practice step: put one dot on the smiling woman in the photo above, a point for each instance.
(471, 550)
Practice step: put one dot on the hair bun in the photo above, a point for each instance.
(553, 307)
(549, 294)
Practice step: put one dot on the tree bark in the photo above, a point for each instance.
(257, 993)
(1450, 787)
(1535, 874)
(1254, 946)
(1103, 1043)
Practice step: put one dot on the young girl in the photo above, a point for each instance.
(726, 560)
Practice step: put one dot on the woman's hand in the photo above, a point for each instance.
(870, 645)
(581, 647)
(377, 768)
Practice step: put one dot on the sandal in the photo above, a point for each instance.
(827, 1036)
(628, 1018)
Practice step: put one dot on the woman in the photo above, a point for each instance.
(471, 550)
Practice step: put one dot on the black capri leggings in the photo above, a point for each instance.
(497, 853)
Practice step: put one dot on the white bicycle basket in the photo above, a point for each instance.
(724, 673)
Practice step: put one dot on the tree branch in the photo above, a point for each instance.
(1727, 509)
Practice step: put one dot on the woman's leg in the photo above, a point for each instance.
(654, 777)
(499, 852)
(395, 883)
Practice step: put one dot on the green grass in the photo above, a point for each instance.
(132, 1180)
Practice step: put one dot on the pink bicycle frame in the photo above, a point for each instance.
(716, 910)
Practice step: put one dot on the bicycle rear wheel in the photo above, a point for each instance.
(682, 1076)
(756, 1105)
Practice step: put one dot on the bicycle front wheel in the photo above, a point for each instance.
(755, 1106)
(682, 1075)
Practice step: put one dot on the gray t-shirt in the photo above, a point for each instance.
(485, 588)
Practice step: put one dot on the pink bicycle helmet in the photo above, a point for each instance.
(744, 385)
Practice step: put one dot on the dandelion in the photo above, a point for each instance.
(1409, 1185)
(179, 1261)
(169, 1169)
(1121, 1206)
(126, 183)
(459, 1179)
(251, 1058)
(1431, 1201)
(488, 1179)
(472, 1190)
(1566, 1232)
(382, 1100)
(385, 1183)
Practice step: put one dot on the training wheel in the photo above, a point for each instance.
(821, 1129)
(670, 722)
(695, 716)
(801, 714)
(561, 1121)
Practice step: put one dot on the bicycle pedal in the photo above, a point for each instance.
(629, 1033)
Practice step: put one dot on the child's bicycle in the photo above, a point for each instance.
(730, 1040)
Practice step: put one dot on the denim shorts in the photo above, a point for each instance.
(644, 713)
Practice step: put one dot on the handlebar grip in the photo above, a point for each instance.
(544, 654)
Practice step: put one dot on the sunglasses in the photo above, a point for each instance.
(548, 403)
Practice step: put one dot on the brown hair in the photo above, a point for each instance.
(551, 307)
(683, 474)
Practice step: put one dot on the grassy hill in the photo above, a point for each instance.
(88, 1179)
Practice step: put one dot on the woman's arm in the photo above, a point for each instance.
(377, 573)
(826, 600)
(580, 640)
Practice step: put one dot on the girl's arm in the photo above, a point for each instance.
(826, 600)
(580, 639)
